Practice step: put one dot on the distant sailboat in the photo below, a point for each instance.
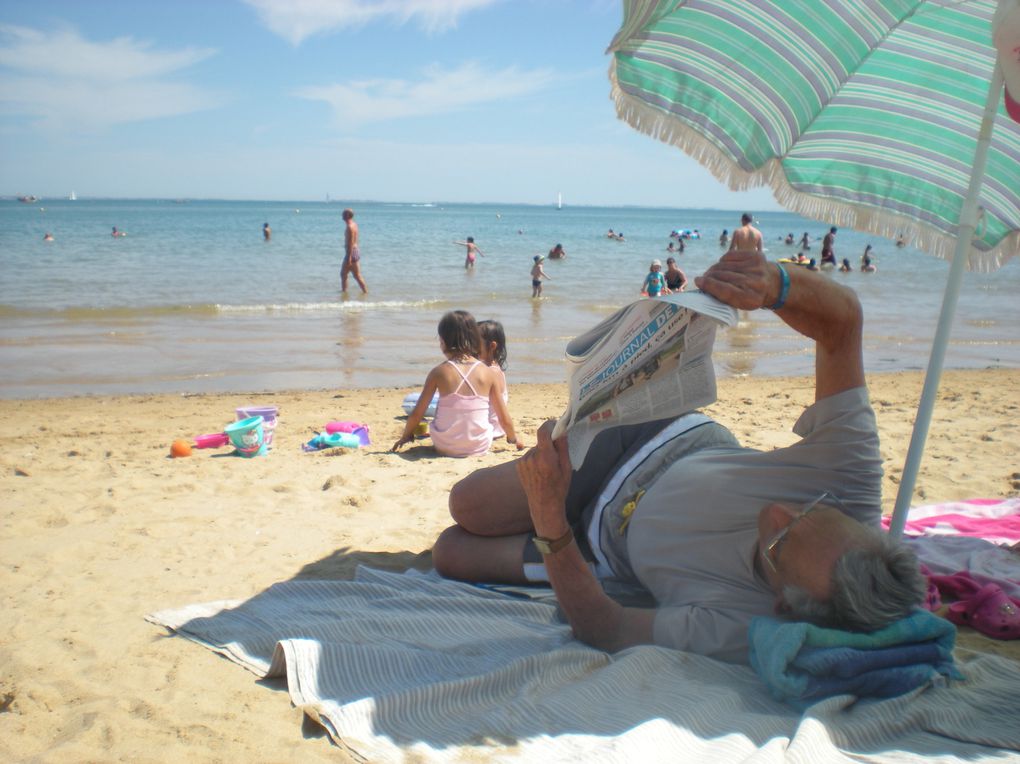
(73, 197)
(559, 200)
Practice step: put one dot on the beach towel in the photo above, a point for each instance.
(416, 668)
(802, 663)
(946, 552)
(995, 520)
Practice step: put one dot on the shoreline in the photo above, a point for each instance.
(102, 527)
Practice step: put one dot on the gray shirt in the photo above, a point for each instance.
(692, 536)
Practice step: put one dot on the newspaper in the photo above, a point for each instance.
(649, 360)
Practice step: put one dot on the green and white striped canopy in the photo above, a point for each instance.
(862, 113)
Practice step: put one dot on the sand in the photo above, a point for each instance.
(100, 527)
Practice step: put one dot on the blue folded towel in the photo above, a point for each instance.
(802, 663)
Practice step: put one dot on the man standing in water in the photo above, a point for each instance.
(747, 238)
(352, 256)
(829, 247)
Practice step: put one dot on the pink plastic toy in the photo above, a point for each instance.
(355, 428)
(213, 440)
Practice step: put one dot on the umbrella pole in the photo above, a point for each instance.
(964, 236)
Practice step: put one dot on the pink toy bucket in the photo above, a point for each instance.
(268, 414)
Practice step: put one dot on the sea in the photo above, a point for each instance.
(192, 299)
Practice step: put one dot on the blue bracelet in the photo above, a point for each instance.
(784, 288)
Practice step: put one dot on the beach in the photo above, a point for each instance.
(101, 527)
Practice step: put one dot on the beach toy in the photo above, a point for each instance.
(340, 440)
(421, 430)
(212, 440)
(411, 400)
(180, 448)
(247, 436)
(332, 440)
(354, 428)
(268, 414)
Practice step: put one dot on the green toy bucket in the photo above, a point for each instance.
(247, 436)
(268, 414)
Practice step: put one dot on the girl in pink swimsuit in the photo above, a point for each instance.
(467, 390)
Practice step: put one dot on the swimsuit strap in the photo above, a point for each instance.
(463, 376)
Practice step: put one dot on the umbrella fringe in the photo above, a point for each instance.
(667, 128)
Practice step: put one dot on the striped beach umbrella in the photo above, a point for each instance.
(885, 116)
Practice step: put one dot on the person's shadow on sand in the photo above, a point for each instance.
(341, 564)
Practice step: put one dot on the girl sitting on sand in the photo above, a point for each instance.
(493, 355)
(467, 389)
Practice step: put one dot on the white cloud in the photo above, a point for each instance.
(438, 92)
(296, 20)
(63, 81)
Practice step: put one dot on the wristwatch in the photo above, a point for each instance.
(552, 546)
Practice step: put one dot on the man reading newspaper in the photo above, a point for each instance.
(715, 533)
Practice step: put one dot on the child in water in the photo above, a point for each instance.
(472, 250)
(537, 274)
(655, 282)
(493, 354)
(468, 389)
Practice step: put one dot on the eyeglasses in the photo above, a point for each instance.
(770, 552)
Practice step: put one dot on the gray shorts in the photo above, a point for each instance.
(607, 452)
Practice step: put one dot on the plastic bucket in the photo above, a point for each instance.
(268, 414)
(247, 436)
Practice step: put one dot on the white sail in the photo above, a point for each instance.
(73, 197)
(559, 200)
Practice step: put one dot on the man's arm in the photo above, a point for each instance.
(817, 307)
(595, 618)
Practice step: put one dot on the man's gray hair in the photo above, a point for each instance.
(872, 586)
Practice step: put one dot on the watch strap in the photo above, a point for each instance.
(552, 546)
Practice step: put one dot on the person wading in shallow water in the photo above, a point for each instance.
(352, 255)
(747, 238)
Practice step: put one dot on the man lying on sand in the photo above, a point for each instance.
(715, 532)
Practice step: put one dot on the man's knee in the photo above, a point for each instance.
(447, 557)
(461, 502)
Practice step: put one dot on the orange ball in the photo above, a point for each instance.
(180, 448)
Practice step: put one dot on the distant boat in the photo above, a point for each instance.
(28, 199)
(559, 200)
(73, 197)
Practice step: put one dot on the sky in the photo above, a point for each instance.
(389, 100)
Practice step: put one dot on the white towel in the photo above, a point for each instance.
(413, 667)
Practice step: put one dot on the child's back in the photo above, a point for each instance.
(461, 426)
(467, 389)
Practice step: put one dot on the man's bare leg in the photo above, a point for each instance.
(467, 557)
(491, 502)
(356, 272)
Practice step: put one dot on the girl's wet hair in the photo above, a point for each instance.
(459, 333)
(492, 331)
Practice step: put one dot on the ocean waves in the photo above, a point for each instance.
(87, 313)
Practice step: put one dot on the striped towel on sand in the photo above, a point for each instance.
(414, 668)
